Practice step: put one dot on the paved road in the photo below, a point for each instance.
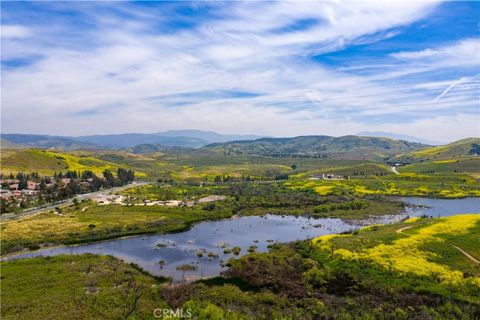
(85, 196)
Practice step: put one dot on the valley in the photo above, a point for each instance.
(299, 227)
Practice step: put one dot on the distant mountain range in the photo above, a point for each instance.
(209, 136)
(396, 136)
(202, 142)
(172, 138)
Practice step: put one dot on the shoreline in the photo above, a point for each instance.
(189, 225)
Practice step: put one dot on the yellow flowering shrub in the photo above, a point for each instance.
(324, 190)
(412, 220)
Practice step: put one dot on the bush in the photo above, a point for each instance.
(348, 205)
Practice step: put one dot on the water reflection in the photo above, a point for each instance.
(208, 245)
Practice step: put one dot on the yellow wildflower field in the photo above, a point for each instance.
(406, 254)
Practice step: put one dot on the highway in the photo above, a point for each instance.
(85, 196)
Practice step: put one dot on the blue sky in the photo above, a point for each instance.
(272, 68)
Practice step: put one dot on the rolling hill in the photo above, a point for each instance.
(347, 147)
(47, 162)
(460, 148)
(45, 141)
(396, 136)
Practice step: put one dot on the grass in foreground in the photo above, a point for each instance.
(77, 287)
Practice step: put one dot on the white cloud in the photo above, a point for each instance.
(14, 31)
(464, 52)
(108, 85)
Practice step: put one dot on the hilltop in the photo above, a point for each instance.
(397, 136)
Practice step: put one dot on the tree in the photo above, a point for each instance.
(97, 183)
(87, 174)
(125, 176)
(22, 184)
(109, 178)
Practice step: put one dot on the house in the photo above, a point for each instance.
(327, 176)
(331, 176)
(31, 185)
(66, 181)
(13, 186)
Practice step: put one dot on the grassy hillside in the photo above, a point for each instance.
(423, 247)
(77, 287)
(464, 147)
(349, 147)
(355, 170)
(47, 162)
(445, 185)
(45, 141)
(465, 164)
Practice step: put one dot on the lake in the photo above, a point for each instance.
(160, 254)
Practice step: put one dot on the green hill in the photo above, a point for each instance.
(460, 148)
(346, 147)
(46, 162)
(466, 164)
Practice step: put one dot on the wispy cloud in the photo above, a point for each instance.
(251, 67)
(14, 31)
(463, 52)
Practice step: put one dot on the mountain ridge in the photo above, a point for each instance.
(350, 146)
(396, 136)
(171, 138)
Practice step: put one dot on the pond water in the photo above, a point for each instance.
(161, 254)
(441, 207)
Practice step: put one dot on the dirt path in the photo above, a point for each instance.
(394, 170)
(466, 254)
(403, 229)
